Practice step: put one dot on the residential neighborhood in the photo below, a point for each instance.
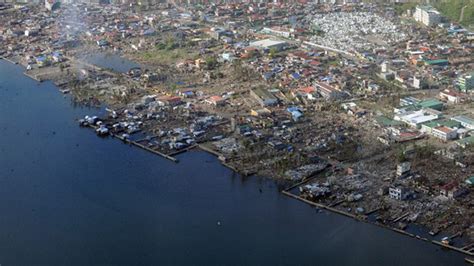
(368, 109)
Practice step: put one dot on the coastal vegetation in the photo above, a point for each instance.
(454, 8)
(166, 56)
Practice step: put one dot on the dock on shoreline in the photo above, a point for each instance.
(139, 145)
(321, 206)
(171, 158)
(9, 60)
(362, 218)
(32, 77)
(286, 192)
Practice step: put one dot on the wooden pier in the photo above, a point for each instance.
(306, 180)
(372, 211)
(182, 150)
(468, 260)
(322, 206)
(32, 77)
(9, 60)
(469, 247)
(358, 218)
(166, 156)
(452, 248)
(209, 150)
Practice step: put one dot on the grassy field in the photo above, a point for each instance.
(163, 56)
(402, 8)
(452, 9)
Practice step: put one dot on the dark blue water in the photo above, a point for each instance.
(69, 197)
(110, 60)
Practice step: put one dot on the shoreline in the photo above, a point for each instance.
(284, 192)
(362, 218)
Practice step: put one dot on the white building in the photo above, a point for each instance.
(451, 96)
(417, 82)
(330, 92)
(427, 15)
(384, 67)
(397, 192)
(466, 82)
(465, 121)
(277, 31)
(403, 168)
(416, 118)
(269, 44)
(444, 133)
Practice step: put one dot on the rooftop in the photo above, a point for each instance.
(466, 141)
(463, 119)
(266, 43)
(444, 129)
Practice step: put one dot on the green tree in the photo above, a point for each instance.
(211, 62)
(272, 53)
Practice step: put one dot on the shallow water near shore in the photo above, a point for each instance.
(69, 197)
(110, 61)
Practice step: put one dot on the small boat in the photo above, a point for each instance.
(83, 123)
(102, 131)
(469, 260)
(446, 241)
(434, 232)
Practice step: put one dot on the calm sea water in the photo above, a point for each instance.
(68, 197)
(110, 60)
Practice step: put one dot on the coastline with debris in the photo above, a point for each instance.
(359, 217)
(281, 109)
(77, 190)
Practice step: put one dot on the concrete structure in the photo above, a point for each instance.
(384, 68)
(269, 44)
(431, 103)
(416, 118)
(403, 168)
(427, 15)
(397, 192)
(276, 31)
(428, 127)
(215, 100)
(450, 190)
(264, 97)
(465, 121)
(418, 82)
(466, 82)
(329, 92)
(444, 133)
(452, 96)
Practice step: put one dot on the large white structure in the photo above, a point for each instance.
(465, 121)
(416, 118)
(444, 133)
(277, 31)
(269, 44)
(427, 15)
